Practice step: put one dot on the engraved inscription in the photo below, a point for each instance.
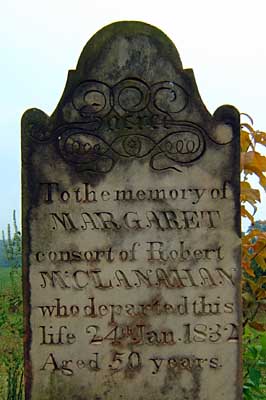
(131, 231)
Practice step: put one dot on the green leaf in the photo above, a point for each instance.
(251, 384)
(255, 376)
(247, 395)
(263, 341)
(253, 351)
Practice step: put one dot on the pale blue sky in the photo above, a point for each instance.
(223, 41)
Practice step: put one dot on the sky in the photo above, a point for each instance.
(223, 41)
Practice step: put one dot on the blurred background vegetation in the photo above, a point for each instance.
(11, 315)
(253, 164)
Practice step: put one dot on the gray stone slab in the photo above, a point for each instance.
(131, 225)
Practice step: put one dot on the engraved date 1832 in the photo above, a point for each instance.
(139, 334)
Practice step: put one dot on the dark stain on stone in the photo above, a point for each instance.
(86, 140)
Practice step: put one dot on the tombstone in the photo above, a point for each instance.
(131, 231)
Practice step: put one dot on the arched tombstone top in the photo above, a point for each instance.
(131, 70)
(131, 37)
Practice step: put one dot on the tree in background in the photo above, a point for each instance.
(254, 241)
(253, 163)
(12, 244)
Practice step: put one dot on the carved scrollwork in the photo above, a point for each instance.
(168, 97)
(90, 152)
(94, 98)
(183, 146)
(87, 151)
(179, 148)
(137, 105)
(130, 96)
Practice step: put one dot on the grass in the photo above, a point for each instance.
(5, 281)
(11, 334)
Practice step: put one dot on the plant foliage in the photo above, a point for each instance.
(11, 319)
(253, 163)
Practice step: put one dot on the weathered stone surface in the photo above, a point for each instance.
(131, 231)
